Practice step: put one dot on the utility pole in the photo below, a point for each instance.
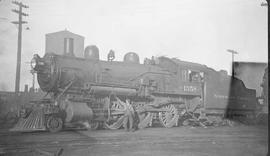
(233, 52)
(19, 46)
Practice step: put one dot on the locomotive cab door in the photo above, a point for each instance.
(192, 89)
(197, 77)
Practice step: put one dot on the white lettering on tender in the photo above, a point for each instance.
(231, 97)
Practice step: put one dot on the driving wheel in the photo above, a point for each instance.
(169, 118)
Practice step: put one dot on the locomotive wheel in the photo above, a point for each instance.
(54, 124)
(170, 117)
(116, 118)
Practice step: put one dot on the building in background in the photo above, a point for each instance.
(64, 43)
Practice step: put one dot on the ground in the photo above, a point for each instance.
(239, 140)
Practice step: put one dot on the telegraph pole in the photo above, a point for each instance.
(19, 47)
(233, 52)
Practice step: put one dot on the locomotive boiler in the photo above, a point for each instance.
(88, 91)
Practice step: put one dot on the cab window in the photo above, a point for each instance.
(195, 76)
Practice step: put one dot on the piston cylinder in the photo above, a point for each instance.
(78, 111)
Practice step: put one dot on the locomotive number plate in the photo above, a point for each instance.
(190, 88)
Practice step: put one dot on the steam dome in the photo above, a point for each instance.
(131, 57)
(91, 52)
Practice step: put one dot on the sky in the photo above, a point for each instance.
(197, 31)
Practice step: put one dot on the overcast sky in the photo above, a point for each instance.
(197, 31)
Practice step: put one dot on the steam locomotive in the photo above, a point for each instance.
(88, 91)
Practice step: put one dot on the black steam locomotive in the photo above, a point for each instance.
(86, 91)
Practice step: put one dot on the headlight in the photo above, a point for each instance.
(33, 63)
(36, 61)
